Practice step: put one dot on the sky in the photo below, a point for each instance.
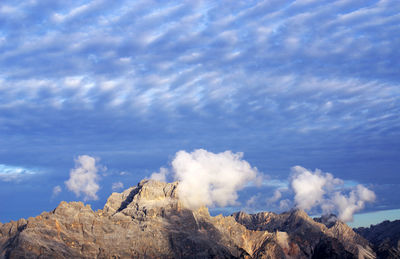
(117, 88)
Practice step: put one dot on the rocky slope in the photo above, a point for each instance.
(385, 238)
(314, 239)
(149, 221)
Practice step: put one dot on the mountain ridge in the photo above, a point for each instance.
(149, 220)
(384, 237)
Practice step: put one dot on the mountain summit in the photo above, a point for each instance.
(149, 220)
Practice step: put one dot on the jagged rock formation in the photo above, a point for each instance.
(385, 238)
(149, 221)
(313, 239)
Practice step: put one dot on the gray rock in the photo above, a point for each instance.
(149, 221)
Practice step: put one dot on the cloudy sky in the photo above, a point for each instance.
(116, 88)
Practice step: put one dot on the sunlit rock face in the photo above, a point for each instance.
(149, 220)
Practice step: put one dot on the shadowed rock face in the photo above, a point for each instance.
(385, 238)
(148, 221)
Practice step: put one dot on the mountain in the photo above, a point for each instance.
(385, 238)
(149, 221)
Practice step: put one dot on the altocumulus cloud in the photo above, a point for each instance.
(162, 56)
(84, 179)
(267, 73)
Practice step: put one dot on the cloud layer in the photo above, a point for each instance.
(287, 82)
(144, 58)
(84, 179)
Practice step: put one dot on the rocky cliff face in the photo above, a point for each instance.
(314, 239)
(385, 238)
(149, 221)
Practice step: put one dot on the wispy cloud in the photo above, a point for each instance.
(56, 191)
(117, 186)
(10, 173)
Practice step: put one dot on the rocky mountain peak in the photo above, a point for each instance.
(66, 208)
(156, 190)
(148, 199)
(148, 220)
(327, 219)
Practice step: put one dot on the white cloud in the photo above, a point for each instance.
(211, 179)
(117, 186)
(14, 173)
(160, 176)
(318, 189)
(278, 201)
(56, 191)
(277, 195)
(84, 178)
(355, 201)
(310, 187)
(252, 201)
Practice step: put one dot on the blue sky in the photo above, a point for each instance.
(309, 83)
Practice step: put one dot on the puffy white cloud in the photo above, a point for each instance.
(211, 179)
(310, 187)
(355, 201)
(84, 178)
(117, 186)
(318, 189)
(160, 176)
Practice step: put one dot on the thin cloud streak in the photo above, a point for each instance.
(14, 173)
